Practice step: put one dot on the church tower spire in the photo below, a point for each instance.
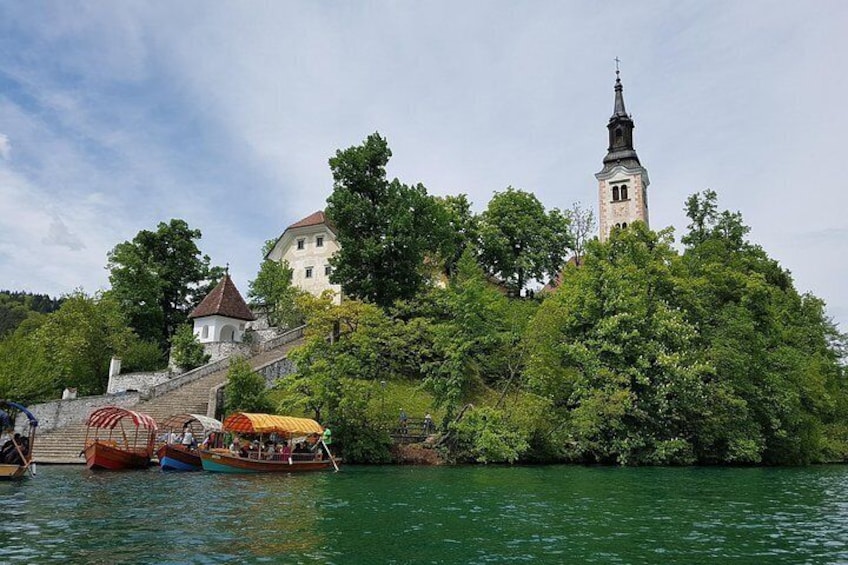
(623, 181)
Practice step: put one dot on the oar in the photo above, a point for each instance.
(332, 459)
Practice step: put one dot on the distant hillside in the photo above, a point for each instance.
(15, 306)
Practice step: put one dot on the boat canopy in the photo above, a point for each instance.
(180, 420)
(246, 423)
(6, 421)
(109, 416)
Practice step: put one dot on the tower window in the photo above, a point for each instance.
(623, 225)
(308, 272)
(624, 192)
(615, 193)
(301, 243)
(319, 241)
(327, 270)
(618, 133)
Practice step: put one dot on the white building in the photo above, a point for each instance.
(307, 246)
(222, 315)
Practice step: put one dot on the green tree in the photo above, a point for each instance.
(273, 288)
(385, 228)
(615, 356)
(158, 278)
(186, 351)
(246, 389)
(520, 241)
(462, 230)
(334, 381)
(775, 351)
(71, 347)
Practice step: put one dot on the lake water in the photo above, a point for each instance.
(552, 514)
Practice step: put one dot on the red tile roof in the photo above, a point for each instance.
(224, 300)
(313, 219)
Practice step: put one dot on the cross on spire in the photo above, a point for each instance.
(617, 61)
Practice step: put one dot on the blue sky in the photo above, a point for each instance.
(116, 116)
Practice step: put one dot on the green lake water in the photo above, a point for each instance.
(551, 514)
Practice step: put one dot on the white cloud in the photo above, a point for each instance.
(5, 146)
(59, 234)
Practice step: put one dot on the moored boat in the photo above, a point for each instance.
(176, 454)
(264, 457)
(16, 451)
(132, 449)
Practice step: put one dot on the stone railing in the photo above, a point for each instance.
(60, 413)
(282, 339)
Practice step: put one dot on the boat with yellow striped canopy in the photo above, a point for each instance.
(263, 444)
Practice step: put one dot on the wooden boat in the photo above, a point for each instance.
(173, 456)
(16, 452)
(128, 451)
(261, 426)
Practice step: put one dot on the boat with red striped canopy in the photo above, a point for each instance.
(129, 444)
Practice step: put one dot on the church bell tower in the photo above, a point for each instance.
(623, 182)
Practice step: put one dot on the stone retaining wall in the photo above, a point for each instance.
(61, 413)
(137, 381)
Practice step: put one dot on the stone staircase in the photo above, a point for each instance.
(63, 445)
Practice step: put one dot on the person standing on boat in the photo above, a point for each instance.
(188, 438)
(327, 440)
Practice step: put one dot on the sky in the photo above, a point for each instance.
(115, 116)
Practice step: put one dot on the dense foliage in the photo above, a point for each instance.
(385, 228)
(245, 390)
(520, 241)
(272, 288)
(15, 307)
(72, 348)
(187, 352)
(650, 357)
(159, 277)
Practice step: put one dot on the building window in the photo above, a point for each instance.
(205, 333)
(623, 225)
(615, 193)
(624, 192)
(301, 243)
(308, 272)
(319, 241)
(327, 270)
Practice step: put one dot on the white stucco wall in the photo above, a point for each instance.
(310, 256)
(218, 328)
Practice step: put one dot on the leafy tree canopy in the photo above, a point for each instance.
(520, 241)
(273, 288)
(159, 276)
(246, 389)
(385, 228)
(71, 347)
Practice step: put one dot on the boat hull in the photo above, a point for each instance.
(100, 455)
(224, 462)
(9, 472)
(178, 458)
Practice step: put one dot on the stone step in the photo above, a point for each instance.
(63, 446)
